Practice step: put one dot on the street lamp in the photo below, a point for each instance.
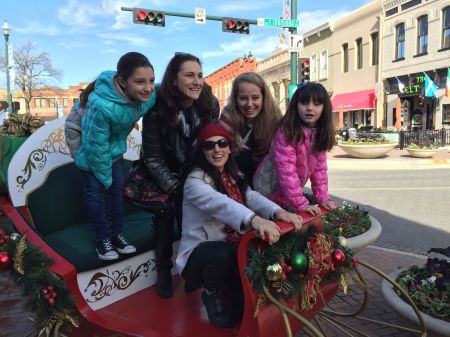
(6, 31)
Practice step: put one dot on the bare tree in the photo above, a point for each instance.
(33, 71)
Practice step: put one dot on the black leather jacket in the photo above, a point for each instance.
(166, 151)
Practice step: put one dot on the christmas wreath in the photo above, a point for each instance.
(294, 267)
(47, 293)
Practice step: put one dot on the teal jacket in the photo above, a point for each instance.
(106, 123)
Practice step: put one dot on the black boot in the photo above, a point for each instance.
(219, 311)
(164, 283)
(163, 253)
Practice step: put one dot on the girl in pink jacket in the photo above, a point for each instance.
(299, 148)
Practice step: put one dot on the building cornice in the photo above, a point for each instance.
(388, 4)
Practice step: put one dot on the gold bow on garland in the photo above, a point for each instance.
(20, 124)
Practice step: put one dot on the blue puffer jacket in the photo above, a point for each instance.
(107, 121)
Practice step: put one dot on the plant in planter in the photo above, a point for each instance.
(348, 221)
(423, 148)
(367, 145)
(429, 285)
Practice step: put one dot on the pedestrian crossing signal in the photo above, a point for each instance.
(233, 25)
(149, 17)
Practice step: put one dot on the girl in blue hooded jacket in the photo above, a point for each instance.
(118, 100)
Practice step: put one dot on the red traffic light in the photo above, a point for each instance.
(141, 15)
(234, 25)
(306, 63)
(231, 24)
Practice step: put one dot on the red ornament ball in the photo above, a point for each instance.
(338, 256)
(5, 260)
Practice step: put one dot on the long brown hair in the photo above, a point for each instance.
(265, 123)
(169, 97)
(292, 125)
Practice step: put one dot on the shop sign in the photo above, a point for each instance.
(416, 86)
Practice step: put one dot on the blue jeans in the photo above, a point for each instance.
(104, 207)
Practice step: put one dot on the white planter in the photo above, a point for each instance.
(365, 239)
(402, 308)
(417, 153)
(367, 151)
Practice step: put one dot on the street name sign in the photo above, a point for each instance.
(278, 22)
(200, 15)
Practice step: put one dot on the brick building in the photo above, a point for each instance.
(221, 79)
(47, 102)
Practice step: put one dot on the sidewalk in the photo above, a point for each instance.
(395, 159)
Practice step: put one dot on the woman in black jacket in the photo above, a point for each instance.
(184, 104)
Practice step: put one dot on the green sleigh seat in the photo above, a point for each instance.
(65, 227)
(47, 187)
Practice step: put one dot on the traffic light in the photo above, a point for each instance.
(233, 25)
(305, 71)
(149, 17)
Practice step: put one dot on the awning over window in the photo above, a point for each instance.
(358, 100)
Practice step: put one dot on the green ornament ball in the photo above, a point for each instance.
(299, 262)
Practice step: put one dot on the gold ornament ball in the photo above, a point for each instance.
(343, 241)
(273, 272)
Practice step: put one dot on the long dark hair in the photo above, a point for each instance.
(231, 168)
(126, 66)
(292, 125)
(169, 97)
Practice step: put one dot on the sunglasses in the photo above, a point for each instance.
(210, 145)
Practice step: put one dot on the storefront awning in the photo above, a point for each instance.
(357, 100)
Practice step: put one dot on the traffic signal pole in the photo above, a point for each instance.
(293, 8)
(294, 55)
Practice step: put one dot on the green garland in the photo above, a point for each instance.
(47, 294)
(281, 267)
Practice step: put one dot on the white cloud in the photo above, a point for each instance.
(257, 44)
(236, 7)
(34, 27)
(313, 19)
(133, 40)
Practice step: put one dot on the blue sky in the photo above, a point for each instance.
(85, 37)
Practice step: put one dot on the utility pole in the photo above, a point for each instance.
(6, 31)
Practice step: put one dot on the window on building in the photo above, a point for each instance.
(422, 34)
(446, 113)
(345, 57)
(400, 41)
(65, 102)
(323, 65)
(375, 48)
(359, 53)
(52, 102)
(40, 102)
(313, 68)
(446, 27)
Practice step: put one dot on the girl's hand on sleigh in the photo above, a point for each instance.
(330, 205)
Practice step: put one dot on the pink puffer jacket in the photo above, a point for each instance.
(294, 165)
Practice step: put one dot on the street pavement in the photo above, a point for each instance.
(15, 317)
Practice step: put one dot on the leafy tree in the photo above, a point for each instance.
(33, 71)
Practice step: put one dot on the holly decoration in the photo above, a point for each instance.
(5, 260)
(49, 294)
(299, 262)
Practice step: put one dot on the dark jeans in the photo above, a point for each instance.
(212, 264)
(104, 207)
